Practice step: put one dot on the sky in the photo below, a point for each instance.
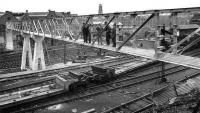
(82, 7)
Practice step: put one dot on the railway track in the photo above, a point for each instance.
(174, 68)
(142, 78)
(28, 83)
(11, 62)
(18, 84)
(99, 89)
(84, 67)
(146, 101)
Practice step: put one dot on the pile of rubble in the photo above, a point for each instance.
(186, 103)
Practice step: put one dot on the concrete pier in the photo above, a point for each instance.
(38, 57)
(26, 50)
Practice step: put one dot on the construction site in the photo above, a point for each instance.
(121, 62)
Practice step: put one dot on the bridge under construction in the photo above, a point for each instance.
(155, 52)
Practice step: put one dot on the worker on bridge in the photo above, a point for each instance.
(113, 34)
(99, 33)
(108, 34)
(84, 32)
(164, 43)
(88, 32)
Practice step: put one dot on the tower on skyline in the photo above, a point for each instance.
(100, 9)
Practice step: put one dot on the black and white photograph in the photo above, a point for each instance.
(99, 56)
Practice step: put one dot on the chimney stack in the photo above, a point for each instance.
(100, 9)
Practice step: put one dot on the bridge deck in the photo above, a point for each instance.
(183, 60)
(188, 61)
